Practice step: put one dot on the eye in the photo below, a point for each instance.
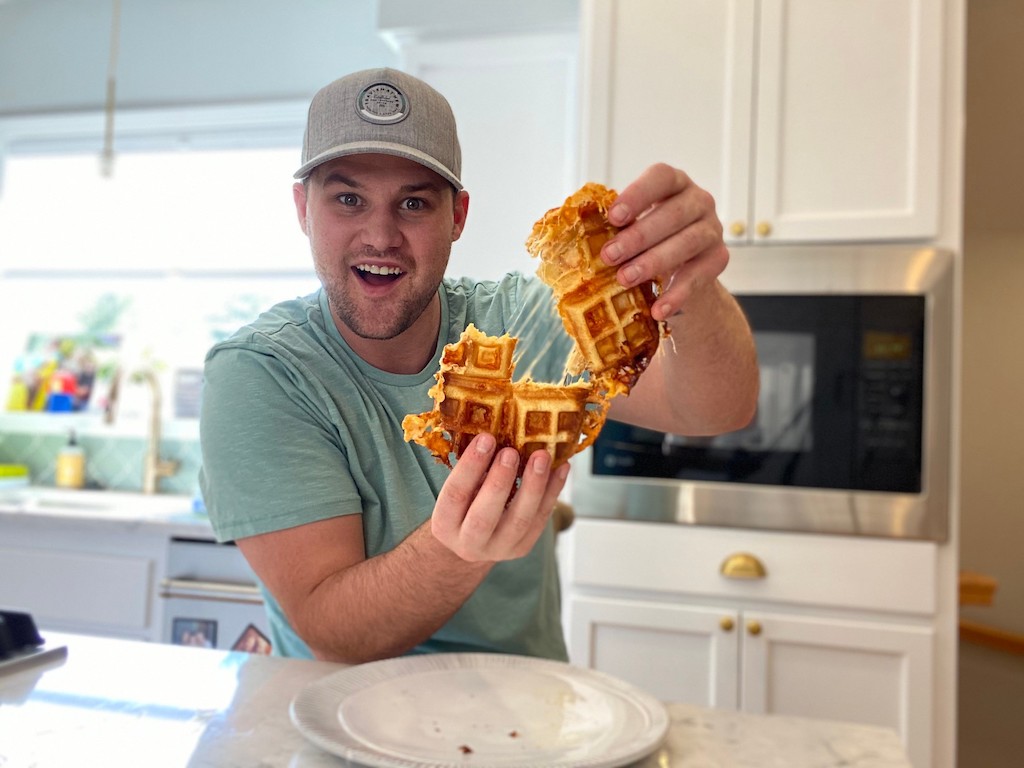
(414, 204)
(348, 198)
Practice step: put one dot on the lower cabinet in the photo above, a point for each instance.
(878, 673)
(674, 652)
(765, 662)
(661, 623)
(93, 580)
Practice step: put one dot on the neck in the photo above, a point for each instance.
(407, 353)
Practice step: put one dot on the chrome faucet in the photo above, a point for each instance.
(153, 466)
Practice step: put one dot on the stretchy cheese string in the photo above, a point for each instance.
(526, 328)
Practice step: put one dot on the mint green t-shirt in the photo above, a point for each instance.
(296, 427)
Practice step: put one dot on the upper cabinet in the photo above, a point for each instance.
(807, 120)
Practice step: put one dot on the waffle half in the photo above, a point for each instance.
(474, 393)
(615, 335)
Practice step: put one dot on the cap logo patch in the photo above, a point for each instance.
(382, 103)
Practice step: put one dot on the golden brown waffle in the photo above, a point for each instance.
(615, 339)
(615, 335)
(475, 393)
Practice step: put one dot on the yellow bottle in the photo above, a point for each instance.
(71, 464)
(17, 399)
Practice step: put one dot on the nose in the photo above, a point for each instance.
(381, 229)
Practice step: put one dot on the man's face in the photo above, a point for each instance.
(380, 229)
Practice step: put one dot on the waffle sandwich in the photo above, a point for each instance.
(615, 339)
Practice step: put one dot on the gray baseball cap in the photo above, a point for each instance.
(382, 111)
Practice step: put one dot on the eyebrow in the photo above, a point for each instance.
(338, 178)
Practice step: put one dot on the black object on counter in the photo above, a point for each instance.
(18, 632)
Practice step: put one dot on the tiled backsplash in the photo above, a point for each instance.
(113, 463)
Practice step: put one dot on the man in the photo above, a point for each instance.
(365, 547)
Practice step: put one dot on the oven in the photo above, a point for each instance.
(853, 425)
(210, 598)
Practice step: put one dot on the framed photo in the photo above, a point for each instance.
(252, 641)
(188, 392)
(199, 633)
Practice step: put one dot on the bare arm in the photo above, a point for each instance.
(704, 379)
(351, 608)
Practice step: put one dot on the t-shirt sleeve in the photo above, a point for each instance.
(271, 457)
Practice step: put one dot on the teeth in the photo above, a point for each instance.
(375, 270)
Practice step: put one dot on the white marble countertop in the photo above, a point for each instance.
(124, 703)
(172, 514)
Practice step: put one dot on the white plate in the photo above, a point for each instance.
(483, 710)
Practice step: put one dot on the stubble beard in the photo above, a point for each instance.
(381, 321)
(378, 323)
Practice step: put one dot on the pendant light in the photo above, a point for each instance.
(107, 156)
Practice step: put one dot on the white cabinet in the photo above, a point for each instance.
(675, 652)
(758, 661)
(864, 671)
(839, 628)
(84, 578)
(807, 120)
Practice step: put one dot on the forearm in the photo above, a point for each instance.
(386, 605)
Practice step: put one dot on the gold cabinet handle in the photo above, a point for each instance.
(742, 565)
(764, 229)
(737, 229)
(754, 627)
(726, 623)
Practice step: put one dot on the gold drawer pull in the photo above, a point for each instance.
(742, 565)
(754, 627)
(764, 229)
(738, 229)
(726, 623)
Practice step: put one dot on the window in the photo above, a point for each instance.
(192, 235)
(197, 211)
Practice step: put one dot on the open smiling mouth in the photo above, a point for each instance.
(372, 274)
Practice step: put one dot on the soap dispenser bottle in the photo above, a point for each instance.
(71, 464)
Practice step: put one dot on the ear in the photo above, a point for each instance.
(299, 196)
(461, 206)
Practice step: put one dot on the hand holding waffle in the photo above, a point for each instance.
(475, 517)
(669, 232)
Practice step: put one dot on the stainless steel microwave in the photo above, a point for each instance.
(852, 431)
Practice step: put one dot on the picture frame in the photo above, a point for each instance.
(198, 633)
(252, 640)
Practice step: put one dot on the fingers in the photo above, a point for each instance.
(473, 516)
(670, 232)
(686, 275)
(528, 513)
(689, 212)
(462, 486)
(656, 183)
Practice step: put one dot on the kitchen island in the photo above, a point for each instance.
(129, 703)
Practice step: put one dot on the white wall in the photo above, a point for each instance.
(992, 505)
